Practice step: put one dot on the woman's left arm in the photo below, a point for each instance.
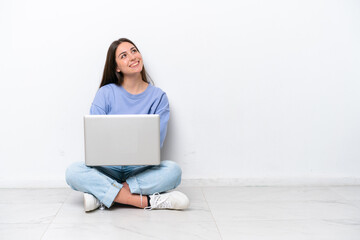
(164, 111)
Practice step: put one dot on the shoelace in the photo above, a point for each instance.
(159, 202)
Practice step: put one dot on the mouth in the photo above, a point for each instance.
(135, 64)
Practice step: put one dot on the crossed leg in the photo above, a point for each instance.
(126, 197)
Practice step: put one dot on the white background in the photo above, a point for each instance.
(260, 91)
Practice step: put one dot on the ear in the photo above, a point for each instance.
(118, 69)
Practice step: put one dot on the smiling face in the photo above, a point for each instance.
(128, 59)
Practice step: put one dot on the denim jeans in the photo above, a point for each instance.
(104, 182)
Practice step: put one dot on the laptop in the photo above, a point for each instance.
(115, 140)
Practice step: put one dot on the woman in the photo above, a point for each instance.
(125, 89)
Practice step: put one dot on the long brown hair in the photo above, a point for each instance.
(110, 74)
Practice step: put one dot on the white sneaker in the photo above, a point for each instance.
(171, 200)
(90, 202)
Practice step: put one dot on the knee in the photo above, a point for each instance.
(72, 173)
(174, 171)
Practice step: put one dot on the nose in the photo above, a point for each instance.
(132, 56)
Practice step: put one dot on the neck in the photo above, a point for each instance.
(134, 84)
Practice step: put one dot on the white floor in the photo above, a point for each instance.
(215, 213)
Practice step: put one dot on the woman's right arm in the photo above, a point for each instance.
(101, 105)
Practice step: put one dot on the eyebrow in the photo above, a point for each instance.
(125, 51)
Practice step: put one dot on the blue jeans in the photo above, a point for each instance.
(104, 182)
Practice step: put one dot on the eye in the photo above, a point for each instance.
(123, 56)
(134, 50)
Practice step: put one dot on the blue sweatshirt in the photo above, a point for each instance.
(114, 99)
